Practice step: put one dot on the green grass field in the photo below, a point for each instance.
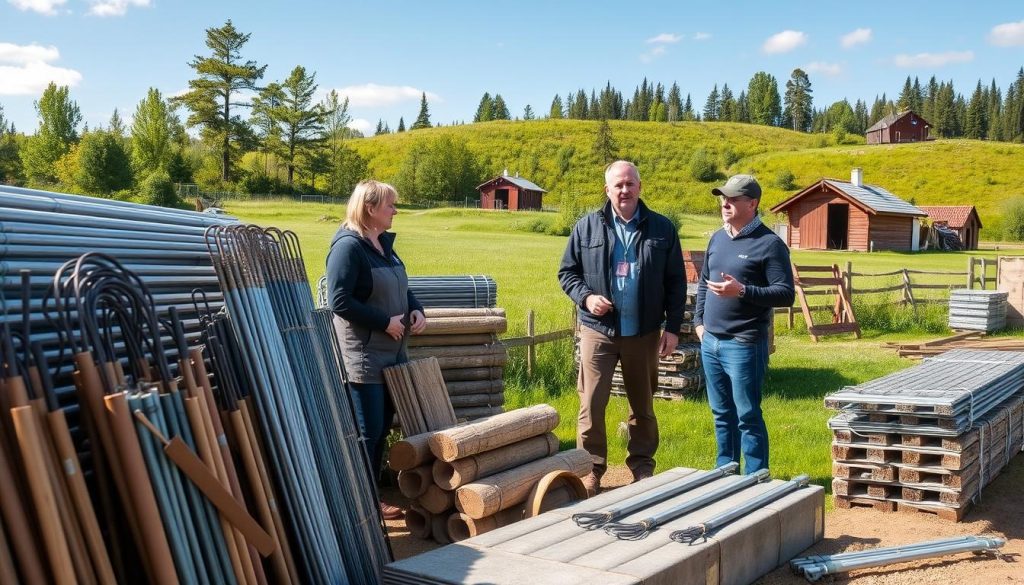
(524, 265)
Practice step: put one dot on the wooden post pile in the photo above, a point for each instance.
(420, 396)
(919, 451)
(680, 374)
(475, 477)
(966, 340)
(470, 357)
(551, 549)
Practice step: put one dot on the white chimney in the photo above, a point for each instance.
(857, 177)
(506, 172)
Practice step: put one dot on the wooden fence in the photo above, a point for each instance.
(532, 339)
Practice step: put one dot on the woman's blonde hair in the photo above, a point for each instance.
(367, 195)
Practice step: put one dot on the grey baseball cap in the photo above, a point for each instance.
(739, 185)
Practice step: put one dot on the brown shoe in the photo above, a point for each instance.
(592, 483)
(390, 512)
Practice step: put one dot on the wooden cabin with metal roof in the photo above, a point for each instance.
(962, 219)
(905, 126)
(511, 193)
(840, 215)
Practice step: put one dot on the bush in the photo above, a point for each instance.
(893, 317)
(1013, 220)
(729, 157)
(158, 189)
(259, 183)
(702, 166)
(570, 211)
(785, 180)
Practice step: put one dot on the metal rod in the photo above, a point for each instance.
(691, 534)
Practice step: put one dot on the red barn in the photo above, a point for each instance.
(511, 193)
(836, 215)
(903, 127)
(963, 219)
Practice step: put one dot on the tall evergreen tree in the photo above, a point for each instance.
(688, 113)
(995, 106)
(763, 97)
(423, 119)
(556, 112)
(579, 110)
(727, 107)
(674, 111)
(484, 111)
(798, 103)
(500, 110)
(605, 149)
(301, 119)
(712, 105)
(528, 113)
(401, 124)
(116, 125)
(860, 110)
(59, 118)
(743, 108)
(976, 124)
(334, 155)
(220, 78)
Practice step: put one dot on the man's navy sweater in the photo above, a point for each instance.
(759, 260)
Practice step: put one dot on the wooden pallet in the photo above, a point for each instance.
(888, 506)
(952, 444)
(918, 457)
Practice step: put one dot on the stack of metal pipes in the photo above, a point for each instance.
(470, 479)
(472, 359)
(977, 310)
(463, 291)
(930, 437)
(680, 374)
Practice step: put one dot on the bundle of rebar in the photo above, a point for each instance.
(300, 401)
(930, 437)
(815, 567)
(977, 310)
(481, 469)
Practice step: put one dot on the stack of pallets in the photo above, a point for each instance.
(977, 310)
(928, 438)
(680, 374)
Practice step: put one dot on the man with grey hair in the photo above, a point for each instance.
(623, 267)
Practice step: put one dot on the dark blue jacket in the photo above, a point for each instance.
(586, 270)
(759, 260)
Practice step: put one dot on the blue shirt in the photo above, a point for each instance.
(626, 283)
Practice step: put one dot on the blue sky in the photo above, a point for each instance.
(384, 54)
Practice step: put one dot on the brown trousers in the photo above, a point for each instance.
(639, 357)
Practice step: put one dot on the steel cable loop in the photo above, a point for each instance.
(640, 530)
(691, 534)
(594, 520)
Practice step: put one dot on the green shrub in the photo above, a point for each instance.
(729, 157)
(785, 180)
(158, 189)
(1013, 220)
(702, 166)
(893, 317)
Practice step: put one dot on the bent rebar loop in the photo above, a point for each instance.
(640, 530)
(691, 534)
(594, 520)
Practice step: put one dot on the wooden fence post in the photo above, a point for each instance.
(984, 273)
(849, 279)
(531, 349)
(908, 291)
(970, 272)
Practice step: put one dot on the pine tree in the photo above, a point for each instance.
(423, 119)
(579, 110)
(605, 148)
(220, 78)
(556, 112)
(380, 127)
(906, 99)
(401, 124)
(528, 112)
(484, 111)
(763, 97)
(116, 125)
(688, 113)
(727, 109)
(976, 125)
(301, 120)
(743, 108)
(860, 110)
(500, 109)
(675, 104)
(712, 105)
(995, 106)
(798, 103)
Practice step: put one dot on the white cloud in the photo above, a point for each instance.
(1009, 34)
(933, 59)
(669, 38)
(32, 78)
(362, 125)
(47, 7)
(653, 54)
(858, 37)
(372, 95)
(784, 41)
(114, 7)
(701, 36)
(22, 54)
(829, 69)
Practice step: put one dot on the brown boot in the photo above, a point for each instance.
(592, 483)
(641, 475)
(390, 512)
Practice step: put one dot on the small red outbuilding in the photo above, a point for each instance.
(511, 193)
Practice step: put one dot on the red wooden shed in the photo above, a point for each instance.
(840, 215)
(511, 193)
(963, 219)
(905, 126)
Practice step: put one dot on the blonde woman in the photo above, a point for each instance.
(374, 311)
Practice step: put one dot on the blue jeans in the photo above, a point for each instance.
(734, 372)
(374, 414)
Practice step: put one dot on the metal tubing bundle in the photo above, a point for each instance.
(691, 534)
(594, 520)
(296, 393)
(816, 567)
(977, 310)
(639, 530)
(467, 292)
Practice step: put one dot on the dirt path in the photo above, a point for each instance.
(1000, 513)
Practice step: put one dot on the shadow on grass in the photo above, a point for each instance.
(797, 382)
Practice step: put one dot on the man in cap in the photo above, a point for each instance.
(746, 274)
(623, 267)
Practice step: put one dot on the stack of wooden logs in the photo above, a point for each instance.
(680, 374)
(472, 360)
(469, 479)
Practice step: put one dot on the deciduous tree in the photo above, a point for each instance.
(59, 117)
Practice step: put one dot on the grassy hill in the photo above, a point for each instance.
(558, 155)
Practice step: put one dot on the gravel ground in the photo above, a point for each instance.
(1000, 513)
